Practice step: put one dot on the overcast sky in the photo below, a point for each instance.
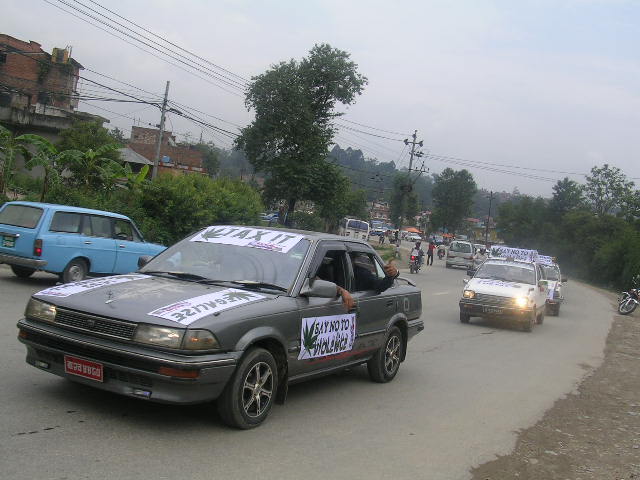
(552, 85)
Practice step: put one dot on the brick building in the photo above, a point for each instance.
(174, 159)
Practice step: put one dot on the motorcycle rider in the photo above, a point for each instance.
(418, 252)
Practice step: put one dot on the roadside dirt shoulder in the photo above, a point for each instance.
(593, 434)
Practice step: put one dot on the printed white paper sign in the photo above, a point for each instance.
(515, 253)
(497, 283)
(86, 285)
(552, 289)
(322, 336)
(189, 310)
(249, 237)
(545, 259)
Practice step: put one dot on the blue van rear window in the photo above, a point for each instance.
(20, 216)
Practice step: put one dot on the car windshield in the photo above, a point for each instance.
(507, 273)
(551, 272)
(234, 263)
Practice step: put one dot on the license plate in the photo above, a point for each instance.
(491, 310)
(8, 242)
(83, 368)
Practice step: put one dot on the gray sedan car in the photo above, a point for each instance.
(229, 313)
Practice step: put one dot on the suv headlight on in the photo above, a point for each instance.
(469, 294)
(39, 310)
(521, 302)
(177, 338)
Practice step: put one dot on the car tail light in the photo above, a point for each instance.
(37, 248)
(176, 372)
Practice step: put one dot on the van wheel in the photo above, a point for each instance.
(75, 271)
(22, 272)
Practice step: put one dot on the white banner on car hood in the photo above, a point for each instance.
(189, 310)
(85, 285)
(249, 237)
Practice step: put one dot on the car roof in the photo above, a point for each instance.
(70, 208)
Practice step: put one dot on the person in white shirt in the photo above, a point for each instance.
(479, 257)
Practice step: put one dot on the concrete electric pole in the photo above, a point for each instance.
(156, 160)
(486, 225)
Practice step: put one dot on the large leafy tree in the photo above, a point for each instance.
(453, 194)
(567, 195)
(294, 104)
(403, 202)
(607, 188)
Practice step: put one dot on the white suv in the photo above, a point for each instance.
(508, 289)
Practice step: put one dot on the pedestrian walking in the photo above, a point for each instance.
(430, 249)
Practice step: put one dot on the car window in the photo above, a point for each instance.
(460, 247)
(67, 222)
(97, 226)
(21, 216)
(332, 268)
(125, 231)
(551, 272)
(365, 271)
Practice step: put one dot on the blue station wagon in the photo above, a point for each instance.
(69, 241)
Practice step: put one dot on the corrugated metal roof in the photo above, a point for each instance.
(130, 156)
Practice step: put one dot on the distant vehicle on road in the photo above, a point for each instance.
(354, 228)
(69, 241)
(555, 295)
(413, 237)
(270, 217)
(229, 313)
(506, 288)
(459, 254)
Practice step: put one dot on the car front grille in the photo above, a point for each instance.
(97, 325)
(494, 300)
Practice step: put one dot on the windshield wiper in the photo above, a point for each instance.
(256, 284)
(181, 275)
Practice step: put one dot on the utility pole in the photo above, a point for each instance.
(486, 226)
(413, 144)
(156, 160)
(409, 185)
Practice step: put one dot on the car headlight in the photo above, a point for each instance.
(469, 294)
(521, 301)
(200, 340)
(159, 336)
(39, 310)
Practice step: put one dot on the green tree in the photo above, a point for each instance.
(453, 194)
(9, 149)
(211, 157)
(94, 169)
(567, 195)
(83, 136)
(606, 189)
(294, 104)
(403, 201)
(118, 136)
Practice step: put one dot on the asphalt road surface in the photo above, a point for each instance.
(458, 401)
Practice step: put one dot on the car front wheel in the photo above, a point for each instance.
(248, 397)
(384, 365)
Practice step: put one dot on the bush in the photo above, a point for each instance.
(308, 221)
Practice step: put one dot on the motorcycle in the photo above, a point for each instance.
(628, 302)
(414, 264)
(440, 254)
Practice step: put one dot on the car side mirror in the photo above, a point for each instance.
(143, 260)
(319, 288)
(465, 281)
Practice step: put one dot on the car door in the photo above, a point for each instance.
(330, 263)
(99, 245)
(129, 246)
(63, 240)
(374, 308)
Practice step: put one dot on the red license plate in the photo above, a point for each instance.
(83, 368)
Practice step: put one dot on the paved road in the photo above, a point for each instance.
(458, 400)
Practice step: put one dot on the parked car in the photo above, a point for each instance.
(270, 217)
(506, 288)
(69, 241)
(229, 313)
(459, 254)
(413, 237)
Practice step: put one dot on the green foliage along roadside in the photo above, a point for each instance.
(575, 226)
(169, 208)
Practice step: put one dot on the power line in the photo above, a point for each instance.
(375, 128)
(368, 133)
(171, 43)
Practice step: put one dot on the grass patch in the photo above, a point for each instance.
(387, 252)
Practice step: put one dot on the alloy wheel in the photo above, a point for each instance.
(257, 389)
(392, 355)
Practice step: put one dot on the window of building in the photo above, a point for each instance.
(3, 57)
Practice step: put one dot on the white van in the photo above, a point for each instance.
(460, 254)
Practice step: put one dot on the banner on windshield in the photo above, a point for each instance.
(545, 259)
(249, 237)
